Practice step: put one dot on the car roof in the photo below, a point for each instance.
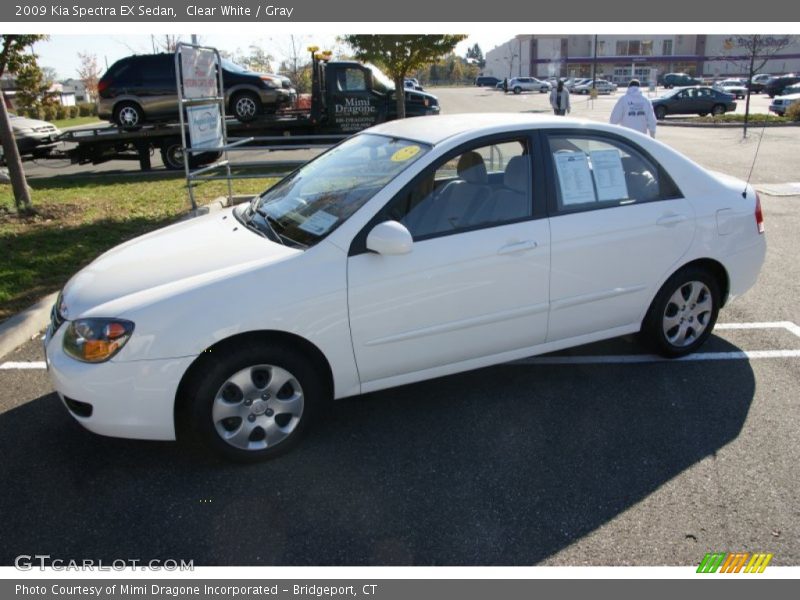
(436, 129)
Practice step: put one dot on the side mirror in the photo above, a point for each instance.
(389, 238)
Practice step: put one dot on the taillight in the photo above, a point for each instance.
(102, 85)
(759, 215)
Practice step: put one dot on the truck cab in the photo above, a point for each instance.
(358, 95)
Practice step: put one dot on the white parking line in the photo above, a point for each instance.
(599, 359)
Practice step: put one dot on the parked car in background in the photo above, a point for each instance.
(671, 80)
(736, 87)
(411, 251)
(759, 82)
(601, 85)
(780, 104)
(33, 137)
(694, 100)
(412, 83)
(571, 85)
(142, 89)
(487, 81)
(527, 84)
(777, 85)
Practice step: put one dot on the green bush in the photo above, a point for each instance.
(793, 112)
(87, 109)
(61, 112)
(73, 112)
(49, 113)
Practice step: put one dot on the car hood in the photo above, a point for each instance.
(169, 261)
(18, 123)
(789, 97)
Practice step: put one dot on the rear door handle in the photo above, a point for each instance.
(517, 247)
(670, 220)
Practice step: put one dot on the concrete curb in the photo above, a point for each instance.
(24, 326)
(750, 125)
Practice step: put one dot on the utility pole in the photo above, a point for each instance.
(594, 64)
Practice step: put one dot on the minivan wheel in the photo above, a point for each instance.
(683, 313)
(517, 90)
(254, 402)
(246, 107)
(129, 115)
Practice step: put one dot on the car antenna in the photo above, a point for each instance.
(758, 146)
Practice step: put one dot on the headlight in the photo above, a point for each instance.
(271, 82)
(96, 340)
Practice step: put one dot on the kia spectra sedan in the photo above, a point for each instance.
(410, 251)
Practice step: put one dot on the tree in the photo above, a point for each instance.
(399, 54)
(89, 73)
(475, 53)
(752, 52)
(15, 55)
(258, 60)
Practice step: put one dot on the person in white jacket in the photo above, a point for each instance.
(634, 111)
(559, 99)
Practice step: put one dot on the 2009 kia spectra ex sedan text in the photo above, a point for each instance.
(412, 250)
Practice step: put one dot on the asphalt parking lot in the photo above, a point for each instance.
(596, 456)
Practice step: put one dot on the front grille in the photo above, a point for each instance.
(55, 317)
(44, 129)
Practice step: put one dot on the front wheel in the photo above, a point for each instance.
(246, 107)
(254, 402)
(517, 90)
(661, 112)
(717, 110)
(683, 313)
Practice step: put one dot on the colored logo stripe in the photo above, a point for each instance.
(733, 562)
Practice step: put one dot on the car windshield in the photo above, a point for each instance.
(672, 93)
(380, 81)
(233, 67)
(317, 198)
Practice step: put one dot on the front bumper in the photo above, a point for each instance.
(128, 399)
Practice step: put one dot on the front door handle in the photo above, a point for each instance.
(513, 247)
(670, 220)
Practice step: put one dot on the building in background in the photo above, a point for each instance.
(622, 57)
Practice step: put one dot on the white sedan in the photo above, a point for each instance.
(412, 250)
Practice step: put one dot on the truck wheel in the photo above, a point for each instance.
(246, 106)
(172, 156)
(128, 115)
(661, 112)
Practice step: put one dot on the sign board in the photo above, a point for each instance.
(199, 70)
(205, 126)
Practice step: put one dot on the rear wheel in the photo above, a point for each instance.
(129, 115)
(517, 90)
(683, 313)
(253, 402)
(717, 109)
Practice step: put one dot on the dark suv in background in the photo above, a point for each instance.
(775, 86)
(671, 80)
(141, 89)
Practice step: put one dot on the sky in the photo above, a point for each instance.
(61, 51)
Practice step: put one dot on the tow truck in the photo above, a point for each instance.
(346, 97)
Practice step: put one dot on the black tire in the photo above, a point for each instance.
(246, 106)
(517, 90)
(129, 116)
(703, 114)
(661, 113)
(213, 393)
(675, 329)
(172, 155)
(718, 109)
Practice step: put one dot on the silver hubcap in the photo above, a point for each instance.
(258, 407)
(245, 107)
(687, 313)
(128, 116)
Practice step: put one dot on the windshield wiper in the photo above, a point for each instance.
(269, 220)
